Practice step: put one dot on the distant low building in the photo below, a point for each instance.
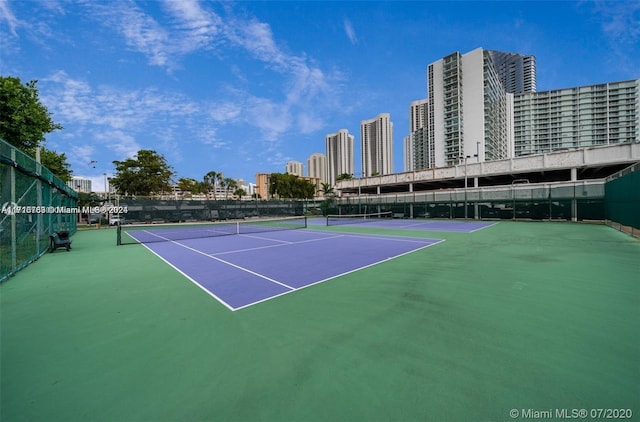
(80, 184)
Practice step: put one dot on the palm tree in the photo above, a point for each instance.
(327, 190)
(211, 179)
(329, 196)
(228, 184)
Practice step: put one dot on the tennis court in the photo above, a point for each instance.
(256, 265)
(528, 316)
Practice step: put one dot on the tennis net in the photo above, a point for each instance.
(149, 233)
(334, 220)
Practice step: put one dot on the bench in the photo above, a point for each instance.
(60, 240)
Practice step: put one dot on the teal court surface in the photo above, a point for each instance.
(518, 315)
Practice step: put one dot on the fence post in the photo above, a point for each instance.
(12, 176)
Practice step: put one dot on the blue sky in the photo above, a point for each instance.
(245, 87)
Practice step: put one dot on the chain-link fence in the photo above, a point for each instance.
(35, 204)
(145, 210)
(558, 201)
(622, 199)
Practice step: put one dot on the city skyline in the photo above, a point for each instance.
(245, 88)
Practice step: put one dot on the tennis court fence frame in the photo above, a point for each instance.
(150, 210)
(24, 235)
(582, 200)
(622, 199)
(569, 201)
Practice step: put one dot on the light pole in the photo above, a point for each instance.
(465, 182)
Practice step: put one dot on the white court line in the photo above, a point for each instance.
(210, 293)
(291, 288)
(226, 262)
(427, 223)
(234, 265)
(337, 275)
(417, 224)
(274, 246)
(391, 237)
(482, 228)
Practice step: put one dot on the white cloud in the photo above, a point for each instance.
(126, 120)
(257, 38)
(225, 111)
(351, 33)
(620, 20)
(70, 99)
(141, 32)
(123, 144)
(7, 16)
(271, 117)
(82, 154)
(192, 26)
(197, 28)
(307, 123)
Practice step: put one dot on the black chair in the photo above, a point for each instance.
(60, 240)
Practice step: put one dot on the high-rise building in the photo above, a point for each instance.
(377, 145)
(417, 154)
(467, 110)
(407, 153)
(516, 72)
(340, 158)
(577, 117)
(262, 185)
(295, 167)
(317, 166)
(80, 184)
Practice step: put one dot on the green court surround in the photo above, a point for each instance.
(521, 315)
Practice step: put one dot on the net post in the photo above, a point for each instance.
(119, 235)
(305, 221)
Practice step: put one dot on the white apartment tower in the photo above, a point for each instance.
(80, 184)
(577, 117)
(340, 158)
(407, 153)
(317, 166)
(416, 148)
(516, 72)
(295, 167)
(468, 111)
(377, 145)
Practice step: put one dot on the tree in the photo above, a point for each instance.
(211, 179)
(57, 163)
(186, 184)
(290, 186)
(145, 174)
(327, 190)
(329, 194)
(344, 176)
(202, 188)
(24, 120)
(239, 193)
(229, 185)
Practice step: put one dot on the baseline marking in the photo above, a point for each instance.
(290, 288)
(336, 276)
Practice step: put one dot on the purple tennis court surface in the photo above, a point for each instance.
(435, 225)
(243, 270)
